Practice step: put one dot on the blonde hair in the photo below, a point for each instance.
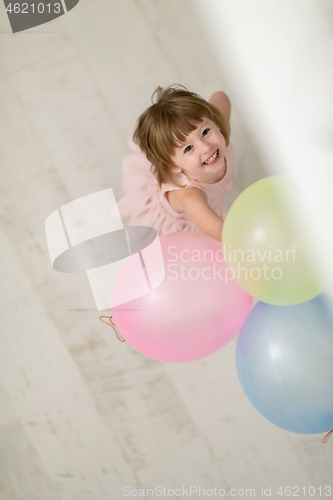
(165, 125)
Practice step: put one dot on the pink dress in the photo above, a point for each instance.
(147, 205)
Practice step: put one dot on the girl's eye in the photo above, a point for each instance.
(205, 132)
(187, 149)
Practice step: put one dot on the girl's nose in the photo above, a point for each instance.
(205, 146)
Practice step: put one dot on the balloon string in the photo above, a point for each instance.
(112, 325)
(326, 438)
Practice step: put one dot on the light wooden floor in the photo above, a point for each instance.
(81, 414)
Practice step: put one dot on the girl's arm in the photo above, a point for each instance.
(194, 202)
(222, 102)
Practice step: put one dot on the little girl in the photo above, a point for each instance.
(182, 164)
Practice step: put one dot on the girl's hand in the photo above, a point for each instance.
(193, 201)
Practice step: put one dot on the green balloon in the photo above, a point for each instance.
(263, 247)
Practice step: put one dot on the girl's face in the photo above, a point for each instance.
(202, 156)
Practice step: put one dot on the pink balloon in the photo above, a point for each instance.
(196, 310)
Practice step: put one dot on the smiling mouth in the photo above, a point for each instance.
(212, 158)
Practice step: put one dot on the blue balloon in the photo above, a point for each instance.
(284, 359)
